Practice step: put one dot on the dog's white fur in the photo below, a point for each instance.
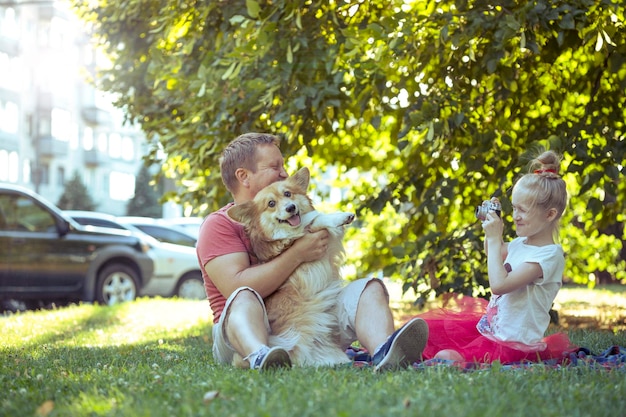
(303, 311)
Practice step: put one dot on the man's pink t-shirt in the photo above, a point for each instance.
(220, 235)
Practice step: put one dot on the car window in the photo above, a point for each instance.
(167, 235)
(88, 221)
(21, 213)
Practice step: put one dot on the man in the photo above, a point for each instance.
(236, 283)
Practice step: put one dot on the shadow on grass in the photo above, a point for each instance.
(92, 357)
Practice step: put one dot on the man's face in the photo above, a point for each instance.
(270, 168)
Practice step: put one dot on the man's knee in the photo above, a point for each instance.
(377, 289)
(245, 295)
(244, 302)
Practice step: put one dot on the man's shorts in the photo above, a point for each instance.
(350, 295)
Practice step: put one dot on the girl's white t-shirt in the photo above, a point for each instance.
(521, 317)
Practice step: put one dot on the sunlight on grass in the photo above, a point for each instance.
(141, 321)
(600, 308)
(150, 319)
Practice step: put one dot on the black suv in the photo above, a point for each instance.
(45, 256)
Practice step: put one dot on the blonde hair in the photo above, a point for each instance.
(544, 186)
(241, 153)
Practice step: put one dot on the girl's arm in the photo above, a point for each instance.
(504, 249)
(501, 281)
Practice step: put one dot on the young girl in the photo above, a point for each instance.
(524, 276)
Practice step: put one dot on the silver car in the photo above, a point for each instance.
(176, 268)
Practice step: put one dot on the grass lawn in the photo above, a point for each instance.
(152, 358)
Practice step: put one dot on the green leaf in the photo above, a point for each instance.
(482, 94)
(253, 8)
(230, 72)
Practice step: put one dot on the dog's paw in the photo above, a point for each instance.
(346, 218)
(332, 220)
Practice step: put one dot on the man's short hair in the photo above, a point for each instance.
(241, 153)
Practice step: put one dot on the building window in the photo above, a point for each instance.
(9, 166)
(61, 124)
(4, 165)
(43, 34)
(105, 183)
(43, 127)
(12, 117)
(44, 174)
(122, 186)
(9, 117)
(58, 33)
(61, 176)
(88, 139)
(5, 70)
(89, 176)
(14, 168)
(26, 171)
(128, 148)
(102, 142)
(115, 145)
(8, 23)
(74, 141)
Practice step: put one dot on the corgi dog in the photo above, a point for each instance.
(303, 310)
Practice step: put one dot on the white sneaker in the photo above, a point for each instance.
(276, 357)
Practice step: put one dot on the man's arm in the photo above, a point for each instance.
(231, 271)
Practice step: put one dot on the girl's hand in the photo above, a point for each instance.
(493, 226)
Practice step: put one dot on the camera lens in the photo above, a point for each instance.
(480, 212)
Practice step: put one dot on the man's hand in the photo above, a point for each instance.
(312, 246)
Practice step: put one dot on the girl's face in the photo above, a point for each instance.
(534, 223)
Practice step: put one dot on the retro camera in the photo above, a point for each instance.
(482, 210)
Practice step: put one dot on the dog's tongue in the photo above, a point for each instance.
(294, 220)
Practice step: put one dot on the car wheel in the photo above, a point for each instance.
(191, 287)
(116, 284)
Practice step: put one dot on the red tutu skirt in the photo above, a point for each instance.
(454, 327)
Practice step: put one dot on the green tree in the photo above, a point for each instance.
(423, 109)
(145, 202)
(76, 196)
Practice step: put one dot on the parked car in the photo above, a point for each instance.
(161, 230)
(176, 268)
(190, 224)
(46, 256)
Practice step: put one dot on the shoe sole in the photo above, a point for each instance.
(407, 347)
(276, 357)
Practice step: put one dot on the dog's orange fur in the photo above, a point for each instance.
(302, 312)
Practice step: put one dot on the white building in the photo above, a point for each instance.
(53, 122)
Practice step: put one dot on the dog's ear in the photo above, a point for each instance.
(240, 212)
(302, 178)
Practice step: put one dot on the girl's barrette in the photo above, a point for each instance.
(541, 171)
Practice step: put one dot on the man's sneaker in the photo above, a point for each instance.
(276, 357)
(403, 347)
